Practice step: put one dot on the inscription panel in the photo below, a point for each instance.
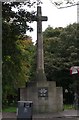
(43, 92)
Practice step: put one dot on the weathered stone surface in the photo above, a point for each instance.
(59, 94)
(40, 74)
(53, 102)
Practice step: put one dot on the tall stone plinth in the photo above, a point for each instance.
(45, 96)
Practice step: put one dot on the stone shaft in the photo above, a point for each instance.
(40, 56)
(40, 74)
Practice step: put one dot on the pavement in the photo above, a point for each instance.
(64, 115)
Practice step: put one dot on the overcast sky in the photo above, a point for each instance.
(56, 17)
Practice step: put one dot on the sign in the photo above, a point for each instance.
(43, 92)
(74, 70)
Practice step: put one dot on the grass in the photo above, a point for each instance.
(13, 109)
(68, 107)
(9, 109)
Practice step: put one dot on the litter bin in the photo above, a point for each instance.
(24, 110)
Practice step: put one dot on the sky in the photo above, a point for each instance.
(56, 17)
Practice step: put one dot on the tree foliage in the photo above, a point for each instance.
(64, 3)
(61, 52)
(17, 48)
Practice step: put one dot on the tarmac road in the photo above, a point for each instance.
(43, 119)
(57, 119)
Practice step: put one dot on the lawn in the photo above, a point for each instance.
(13, 109)
(9, 109)
(68, 107)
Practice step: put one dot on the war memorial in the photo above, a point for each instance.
(46, 96)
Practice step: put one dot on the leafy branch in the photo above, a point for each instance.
(65, 4)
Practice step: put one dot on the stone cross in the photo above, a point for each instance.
(40, 57)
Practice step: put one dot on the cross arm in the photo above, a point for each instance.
(39, 18)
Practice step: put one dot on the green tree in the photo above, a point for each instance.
(61, 52)
(14, 24)
(61, 49)
(27, 55)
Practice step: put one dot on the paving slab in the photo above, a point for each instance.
(64, 115)
(68, 113)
